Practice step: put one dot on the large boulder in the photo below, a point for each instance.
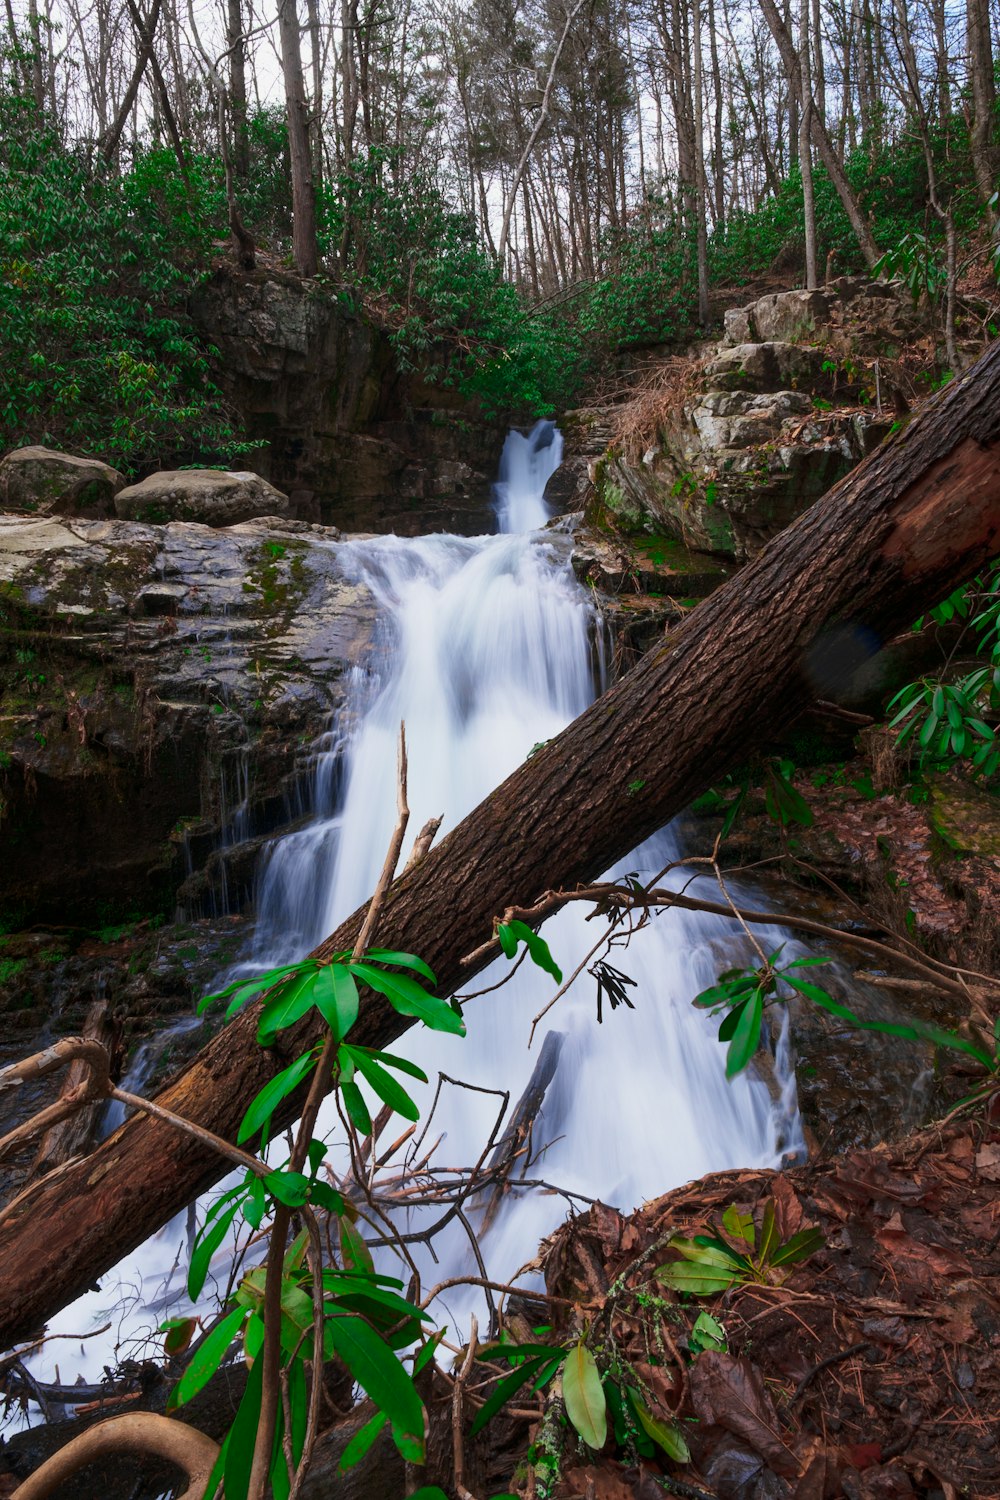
(44, 482)
(209, 496)
(163, 689)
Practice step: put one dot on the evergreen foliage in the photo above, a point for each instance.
(97, 353)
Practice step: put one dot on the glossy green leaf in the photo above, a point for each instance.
(379, 1373)
(411, 999)
(706, 1333)
(746, 1036)
(798, 1247)
(289, 1188)
(382, 1081)
(403, 961)
(538, 949)
(246, 987)
(207, 1358)
(335, 994)
(668, 1435)
(821, 998)
(205, 1247)
(354, 1252)
(289, 1005)
(402, 1064)
(272, 1094)
(739, 1225)
(503, 1390)
(583, 1396)
(361, 1442)
(242, 1435)
(508, 942)
(255, 1204)
(357, 1109)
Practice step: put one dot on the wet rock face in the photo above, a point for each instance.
(44, 482)
(210, 496)
(341, 432)
(782, 409)
(154, 680)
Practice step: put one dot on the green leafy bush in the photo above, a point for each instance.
(94, 271)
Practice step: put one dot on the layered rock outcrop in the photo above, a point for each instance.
(797, 392)
(157, 681)
(348, 438)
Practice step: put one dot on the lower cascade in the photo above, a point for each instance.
(487, 647)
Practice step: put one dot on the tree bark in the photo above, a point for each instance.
(820, 134)
(304, 246)
(914, 520)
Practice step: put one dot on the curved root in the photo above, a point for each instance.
(139, 1433)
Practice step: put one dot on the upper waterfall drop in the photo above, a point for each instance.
(526, 466)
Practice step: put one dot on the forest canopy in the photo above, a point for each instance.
(515, 191)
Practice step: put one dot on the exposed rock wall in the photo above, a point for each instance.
(789, 401)
(349, 440)
(155, 678)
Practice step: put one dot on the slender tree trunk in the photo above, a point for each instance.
(718, 99)
(819, 134)
(701, 226)
(908, 525)
(236, 42)
(983, 90)
(304, 247)
(543, 114)
(805, 150)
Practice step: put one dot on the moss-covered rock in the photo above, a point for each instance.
(153, 680)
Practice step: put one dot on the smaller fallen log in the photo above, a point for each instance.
(509, 1148)
(138, 1434)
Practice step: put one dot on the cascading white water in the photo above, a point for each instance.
(488, 646)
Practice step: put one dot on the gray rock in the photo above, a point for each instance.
(44, 482)
(210, 496)
(172, 661)
(738, 324)
(792, 317)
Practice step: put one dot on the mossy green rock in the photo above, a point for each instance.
(42, 481)
(966, 817)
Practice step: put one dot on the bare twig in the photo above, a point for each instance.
(457, 1440)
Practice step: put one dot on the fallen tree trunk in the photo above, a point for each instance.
(902, 530)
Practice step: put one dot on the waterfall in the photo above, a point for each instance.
(486, 647)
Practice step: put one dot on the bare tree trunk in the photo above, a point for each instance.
(236, 42)
(908, 525)
(819, 134)
(805, 150)
(304, 247)
(543, 114)
(983, 89)
(109, 147)
(701, 227)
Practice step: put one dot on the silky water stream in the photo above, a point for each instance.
(488, 646)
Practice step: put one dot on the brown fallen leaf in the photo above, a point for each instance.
(731, 1393)
(988, 1163)
(595, 1484)
(787, 1208)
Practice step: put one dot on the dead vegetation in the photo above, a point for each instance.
(871, 1370)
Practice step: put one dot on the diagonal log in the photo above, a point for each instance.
(902, 530)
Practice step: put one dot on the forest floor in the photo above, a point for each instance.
(872, 1370)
